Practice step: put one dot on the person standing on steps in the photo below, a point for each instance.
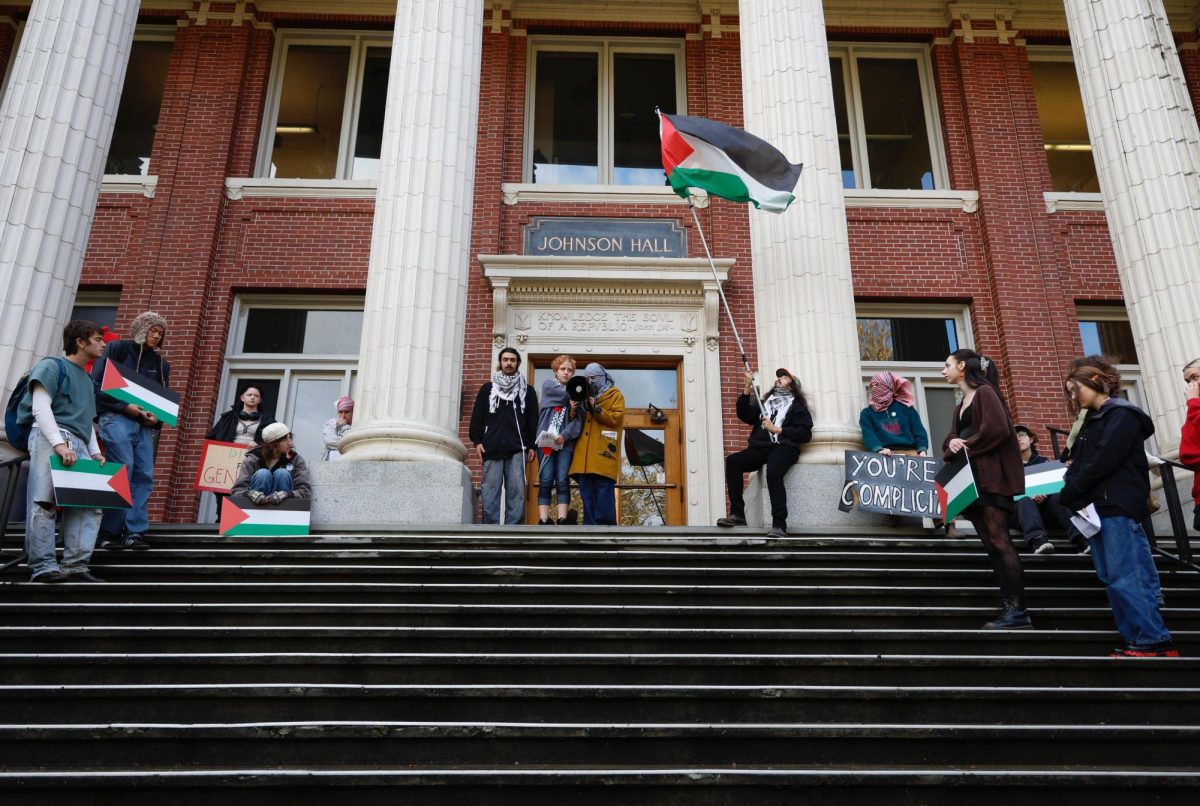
(242, 424)
(1189, 439)
(1109, 471)
(504, 430)
(982, 427)
(596, 464)
(781, 423)
(558, 415)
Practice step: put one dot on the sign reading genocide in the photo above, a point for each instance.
(605, 237)
(893, 485)
(219, 465)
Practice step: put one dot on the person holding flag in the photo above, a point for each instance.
(127, 429)
(982, 432)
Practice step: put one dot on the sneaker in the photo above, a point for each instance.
(136, 542)
(1044, 548)
(50, 578)
(111, 543)
(731, 520)
(1086, 549)
(777, 531)
(1160, 651)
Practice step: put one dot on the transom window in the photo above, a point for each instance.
(141, 100)
(97, 307)
(590, 110)
(886, 118)
(1064, 128)
(324, 116)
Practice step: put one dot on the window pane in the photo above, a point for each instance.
(1113, 339)
(641, 387)
(641, 82)
(939, 405)
(313, 402)
(1064, 129)
(333, 332)
(137, 115)
(906, 339)
(566, 120)
(295, 330)
(309, 127)
(837, 70)
(894, 119)
(99, 315)
(369, 132)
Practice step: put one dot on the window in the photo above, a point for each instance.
(591, 102)
(1105, 330)
(141, 100)
(914, 341)
(886, 118)
(1064, 128)
(324, 116)
(97, 307)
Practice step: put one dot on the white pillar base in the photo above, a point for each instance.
(414, 442)
(391, 494)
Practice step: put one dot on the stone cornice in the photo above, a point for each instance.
(119, 183)
(1073, 202)
(238, 188)
(243, 12)
(523, 193)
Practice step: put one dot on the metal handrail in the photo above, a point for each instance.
(13, 468)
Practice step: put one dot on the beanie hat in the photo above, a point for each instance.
(345, 403)
(274, 431)
(142, 324)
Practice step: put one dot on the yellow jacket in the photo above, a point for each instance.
(599, 447)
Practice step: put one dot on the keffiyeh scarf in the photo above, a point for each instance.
(508, 387)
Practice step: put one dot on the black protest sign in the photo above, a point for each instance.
(893, 485)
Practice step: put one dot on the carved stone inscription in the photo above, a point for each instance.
(599, 322)
(604, 237)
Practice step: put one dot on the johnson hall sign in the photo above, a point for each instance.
(604, 237)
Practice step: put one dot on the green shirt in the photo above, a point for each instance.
(72, 399)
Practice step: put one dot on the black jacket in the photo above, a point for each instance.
(143, 360)
(507, 431)
(226, 426)
(1108, 466)
(797, 424)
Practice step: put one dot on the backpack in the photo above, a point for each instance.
(16, 431)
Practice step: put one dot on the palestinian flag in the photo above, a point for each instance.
(130, 387)
(1043, 479)
(88, 484)
(726, 162)
(642, 450)
(240, 518)
(955, 486)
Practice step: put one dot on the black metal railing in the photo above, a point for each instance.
(12, 471)
(1179, 529)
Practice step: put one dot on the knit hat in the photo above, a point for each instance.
(274, 432)
(345, 403)
(142, 324)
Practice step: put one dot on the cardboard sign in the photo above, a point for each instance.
(240, 518)
(219, 465)
(891, 485)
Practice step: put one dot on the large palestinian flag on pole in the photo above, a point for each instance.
(1044, 479)
(726, 162)
(955, 486)
(131, 387)
(87, 483)
(240, 518)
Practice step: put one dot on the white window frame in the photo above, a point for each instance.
(358, 42)
(1131, 374)
(1062, 200)
(850, 53)
(605, 48)
(921, 373)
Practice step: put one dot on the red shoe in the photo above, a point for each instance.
(1146, 652)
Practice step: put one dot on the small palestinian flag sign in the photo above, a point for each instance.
(130, 387)
(89, 484)
(955, 486)
(1046, 478)
(241, 518)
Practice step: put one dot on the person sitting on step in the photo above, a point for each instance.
(273, 472)
(1036, 511)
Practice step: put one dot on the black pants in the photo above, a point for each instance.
(777, 458)
(1034, 520)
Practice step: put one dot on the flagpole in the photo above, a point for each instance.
(728, 313)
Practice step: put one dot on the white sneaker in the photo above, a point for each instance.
(1045, 548)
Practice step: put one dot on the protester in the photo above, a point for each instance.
(1034, 512)
(558, 415)
(336, 427)
(981, 426)
(273, 472)
(596, 464)
(60, 405)
(781, 424)
(1189, 441)
(889, 422)
(504, 430)
(128, 430)
(1109, 470)
(244, 421)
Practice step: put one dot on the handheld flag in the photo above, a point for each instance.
(88, 484)
(1043, 479)
(240, 518)
(131, 387)
(956, 486)
(725, 162)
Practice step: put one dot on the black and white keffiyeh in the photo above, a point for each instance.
(777, 404)
(508, 387)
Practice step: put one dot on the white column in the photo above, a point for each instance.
(1146, 145)
(410, 367)
(56, 121)
(803, 296)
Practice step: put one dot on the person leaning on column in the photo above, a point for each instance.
(504, 430)
(781, 424)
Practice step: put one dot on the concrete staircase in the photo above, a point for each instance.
(477, 666)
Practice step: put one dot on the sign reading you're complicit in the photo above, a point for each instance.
(605, 237)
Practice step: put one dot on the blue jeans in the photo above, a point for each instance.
(1125, 565)
(267, 482)
(79, 524)
(599, 502)
(507, 475)
(552, 475)
(132, 444)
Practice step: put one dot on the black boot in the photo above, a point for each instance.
(1011, 616)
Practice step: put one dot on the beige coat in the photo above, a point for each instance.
(599, 447)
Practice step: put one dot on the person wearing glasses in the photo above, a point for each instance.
(273, 472)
